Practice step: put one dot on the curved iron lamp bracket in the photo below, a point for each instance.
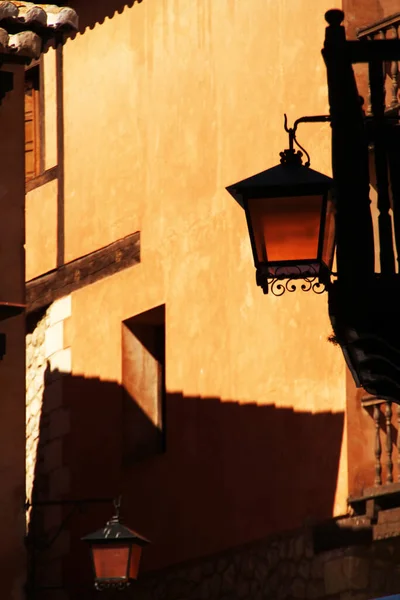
(291, 155)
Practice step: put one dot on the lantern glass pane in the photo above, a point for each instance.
(328, 246)
(286, 229)
(111, 561)
(135, 559)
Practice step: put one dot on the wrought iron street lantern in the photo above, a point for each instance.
(116, 552)
(291, 220)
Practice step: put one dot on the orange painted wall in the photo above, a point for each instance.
(12, 367)
(165, 104)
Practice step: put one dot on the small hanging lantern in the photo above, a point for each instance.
(291, 220)
(116, 552)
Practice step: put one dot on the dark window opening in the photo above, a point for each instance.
(143, 380)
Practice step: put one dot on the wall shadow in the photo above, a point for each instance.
(92, 13)
(231, 473)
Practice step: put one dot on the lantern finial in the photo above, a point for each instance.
(117, 506)
(290, 156)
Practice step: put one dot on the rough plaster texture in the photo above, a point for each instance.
(41, 227)
(209, 89)
(196, 254)
(201, 92)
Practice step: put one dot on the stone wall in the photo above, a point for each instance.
(281, 568)
(48, 357)
(35, 375)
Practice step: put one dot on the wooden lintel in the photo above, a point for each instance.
(45, 177)
(88, 269)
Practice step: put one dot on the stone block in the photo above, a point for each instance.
(53, 395)
(334, 579)
(60, 309)
(50, 574)
(346, 573)
(68, 332)
(61, 545)
(61, 361)
(298, 588)
(378, 577)
(59, 424)
(304, 569)
(54, 339)
(242, 590)
(228, 579)
(315, 589)
(34, 407)
(299, 547)
(52, 455)
(52, 517)
(59, 482)
(317, 567)
(32, 426)
(29, 355)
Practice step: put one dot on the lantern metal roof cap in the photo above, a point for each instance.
(115, 531)
(283, 179)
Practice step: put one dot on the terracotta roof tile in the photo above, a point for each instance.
(25, 26)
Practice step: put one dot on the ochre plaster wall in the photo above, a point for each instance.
(41, 229)
(187, 99)
(12, 367)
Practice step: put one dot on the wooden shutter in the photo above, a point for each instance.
(32, 124)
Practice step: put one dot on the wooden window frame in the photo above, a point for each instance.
(34, 82)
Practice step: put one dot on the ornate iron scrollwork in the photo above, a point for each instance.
(306, 281)
(120, 586)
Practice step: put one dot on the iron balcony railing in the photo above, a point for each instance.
(387, 28)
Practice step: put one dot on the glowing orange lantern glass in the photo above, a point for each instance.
(291, 220)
